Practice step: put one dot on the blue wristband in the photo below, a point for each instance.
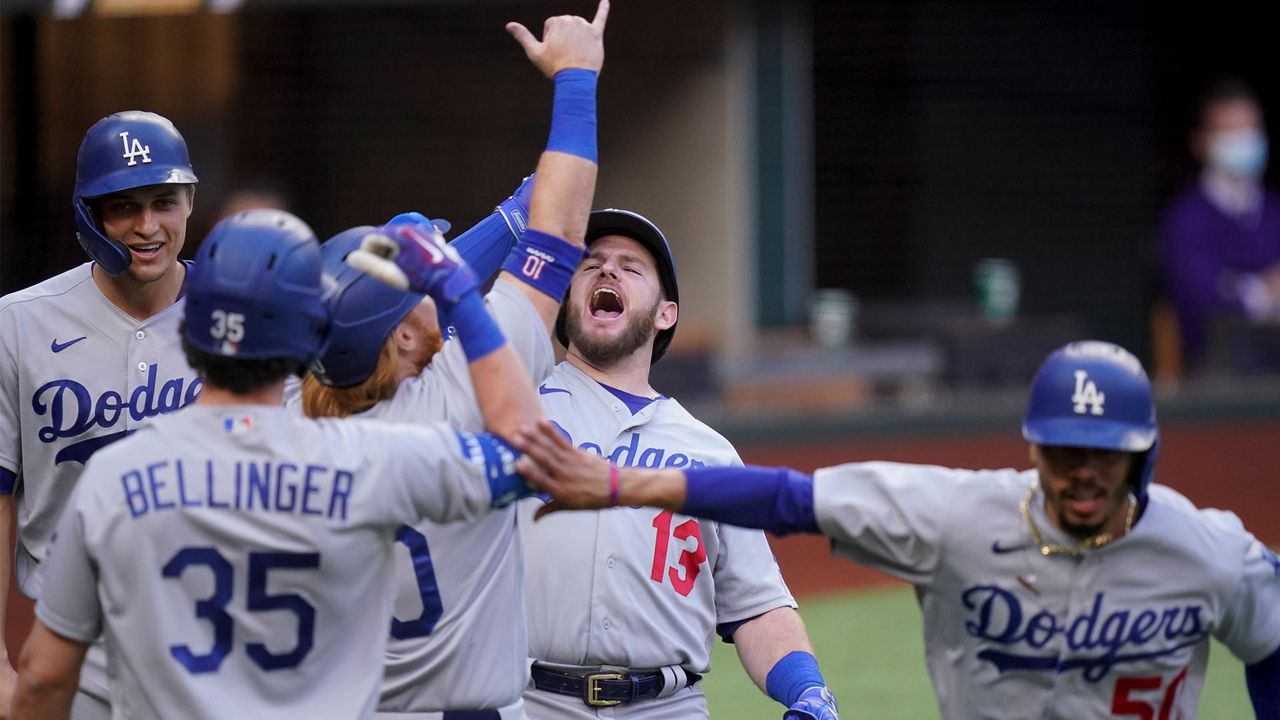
(796, 672)
(545, 262)
(476, 328)
(573, 114)
(498, 458)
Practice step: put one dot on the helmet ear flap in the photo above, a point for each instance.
(111, 255)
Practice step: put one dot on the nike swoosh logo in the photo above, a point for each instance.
(544, 390)
(59, 347)
(999, 549)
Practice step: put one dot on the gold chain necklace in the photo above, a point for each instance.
(1092, 543)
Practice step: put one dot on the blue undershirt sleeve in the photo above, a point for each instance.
(485, 246)
(779, 500)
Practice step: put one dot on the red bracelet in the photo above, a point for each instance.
(613, 485)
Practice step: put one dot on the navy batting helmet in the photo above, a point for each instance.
(364, 312)
(254, 291)
(613, 221)
(1094, 394)
(126, 150)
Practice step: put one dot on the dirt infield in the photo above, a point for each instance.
(1232, 466)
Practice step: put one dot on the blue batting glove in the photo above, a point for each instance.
(816, 703)
(515, 209)
(414, 256)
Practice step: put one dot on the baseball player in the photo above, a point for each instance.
(1075, 589)
(623, 605)
(237, 556)
(92, 354)
(458, 640)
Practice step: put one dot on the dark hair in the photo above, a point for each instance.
(1225, 89)
(238, 375)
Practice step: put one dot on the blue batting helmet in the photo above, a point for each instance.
(612, 221)
(126, 150)
(364, 309)
(254, 291)
(1094, 394)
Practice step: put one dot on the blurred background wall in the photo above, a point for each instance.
(879, 148)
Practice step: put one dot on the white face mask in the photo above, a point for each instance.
(1242, 153)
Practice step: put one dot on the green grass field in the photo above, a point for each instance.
(872, 654)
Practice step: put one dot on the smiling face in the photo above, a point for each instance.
(1085, 489)
(615, 304)
(152, 222)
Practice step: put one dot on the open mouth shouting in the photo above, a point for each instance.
(606, 304)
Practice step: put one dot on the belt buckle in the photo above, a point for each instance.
(591, 691)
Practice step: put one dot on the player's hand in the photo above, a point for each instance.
(576, 480)
(515, 209)
(8, 684)
(410, 255)
(816, 703)
(568, 41)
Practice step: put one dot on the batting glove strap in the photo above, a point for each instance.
(545, 262)
(431, 266)
(816, 703)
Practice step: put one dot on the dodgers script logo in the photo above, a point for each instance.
(1087, 395)
(72, 411)
(1095, 641)
(135, 149)
(633, 454)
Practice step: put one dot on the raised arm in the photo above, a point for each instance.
(571, 53)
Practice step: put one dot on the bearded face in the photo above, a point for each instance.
(615, 305)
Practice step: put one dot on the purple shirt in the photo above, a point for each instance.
(1202, 247)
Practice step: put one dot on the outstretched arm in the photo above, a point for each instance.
(776, 499)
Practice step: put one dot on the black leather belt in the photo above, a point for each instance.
(471, 715)
(602, 689)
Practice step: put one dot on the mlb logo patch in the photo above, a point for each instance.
(237, 424)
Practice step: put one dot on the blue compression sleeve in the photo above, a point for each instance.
(573, 114)
(1263, 681)
(779, 500)
(485, 246)
(8, 479)
(796, 672)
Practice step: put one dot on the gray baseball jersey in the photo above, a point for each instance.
(1121, 630)
(631, 587)
(458, 640)
(239, 557)
(76, 373)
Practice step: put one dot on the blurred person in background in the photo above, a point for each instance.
(1220, 239)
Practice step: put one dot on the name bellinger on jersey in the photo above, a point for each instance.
(281, 487)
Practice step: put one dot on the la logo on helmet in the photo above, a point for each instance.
(1087, 395)
(134, 149)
